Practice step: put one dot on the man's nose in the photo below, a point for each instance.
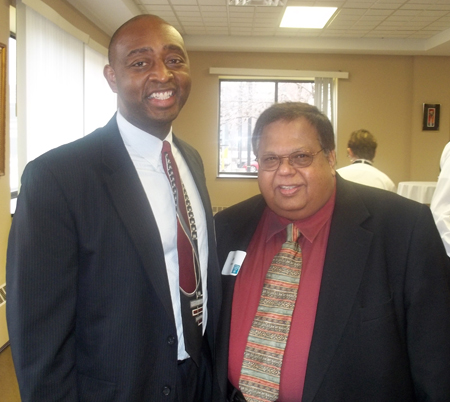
(285, 165)
(161, 72)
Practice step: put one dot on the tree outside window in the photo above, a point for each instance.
(241, 103)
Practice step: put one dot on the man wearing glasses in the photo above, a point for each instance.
(333, 291)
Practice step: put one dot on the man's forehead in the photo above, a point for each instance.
(150, 33)
(300, 126)
(147, 41)
(148, 27)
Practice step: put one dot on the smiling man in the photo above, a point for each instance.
(113, 279)
(344, 290)
(152, 79)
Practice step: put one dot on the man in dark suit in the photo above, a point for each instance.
(94, 293)
(371, 316)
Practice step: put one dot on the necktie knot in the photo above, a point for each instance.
(166, 148)
(292, 233)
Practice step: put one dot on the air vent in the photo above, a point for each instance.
(3, 294)
(217, 209)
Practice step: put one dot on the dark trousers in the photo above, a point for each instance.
(194, 384)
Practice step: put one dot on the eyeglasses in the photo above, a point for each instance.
(298, 159)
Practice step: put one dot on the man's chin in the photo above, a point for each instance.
(162, 117)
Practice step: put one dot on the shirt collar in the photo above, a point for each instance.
(363, 161)
(143, 143)
(309, 227)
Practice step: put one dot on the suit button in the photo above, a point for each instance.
(171, 340)
(166, 390)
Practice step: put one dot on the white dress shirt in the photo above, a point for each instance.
(440, 203)
(364, 173)
(145, 152)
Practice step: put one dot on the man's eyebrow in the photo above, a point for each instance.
(140, 50)
(175, 48)
(150, 50)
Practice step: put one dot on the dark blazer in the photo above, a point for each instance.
(89, 311)
(382, 329)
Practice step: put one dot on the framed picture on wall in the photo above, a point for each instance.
(431, 113)
(2, 107)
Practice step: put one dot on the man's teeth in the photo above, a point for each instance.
(287, 187)
(161, 95)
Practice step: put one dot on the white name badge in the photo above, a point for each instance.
(233, 263)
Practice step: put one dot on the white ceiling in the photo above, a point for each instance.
(406, 27)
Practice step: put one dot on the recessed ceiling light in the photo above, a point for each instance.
(306, 17)
(256, 3)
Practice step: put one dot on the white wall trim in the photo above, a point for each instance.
(295, 74)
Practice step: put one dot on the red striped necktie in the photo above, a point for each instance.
(189, 267)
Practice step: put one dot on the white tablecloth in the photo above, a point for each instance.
(421, 191)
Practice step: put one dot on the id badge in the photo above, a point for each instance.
(233, 263)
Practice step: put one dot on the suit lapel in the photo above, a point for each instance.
(347, 252)
(243, 229)
(238, 233)
(129, 198)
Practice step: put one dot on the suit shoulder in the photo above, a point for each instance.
(236, 225)
(385, 198)
(189, 151)
(381, 204)
(241, 208)
(185, 145)
(82, 150)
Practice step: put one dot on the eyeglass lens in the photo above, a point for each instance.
(296, 159)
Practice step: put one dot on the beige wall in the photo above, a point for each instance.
(431, 85)
(5, 215)
(71, 14)
(384, 94)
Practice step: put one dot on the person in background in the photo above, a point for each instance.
(332, 291)
(440, 203)
(361, 150)
(100, 271)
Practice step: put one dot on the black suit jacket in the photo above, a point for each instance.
(382, 328)
(89, 311)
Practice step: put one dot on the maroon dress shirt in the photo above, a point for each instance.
(265, 244)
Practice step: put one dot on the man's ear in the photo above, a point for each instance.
(332, 158)
(110, 76)
(332, 161)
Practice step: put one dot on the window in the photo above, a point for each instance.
(241, 103)
(61, 92)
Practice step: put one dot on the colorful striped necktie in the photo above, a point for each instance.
(263, 356)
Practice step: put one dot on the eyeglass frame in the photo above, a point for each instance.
(281, 157)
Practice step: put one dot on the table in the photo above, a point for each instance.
(421, 191)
